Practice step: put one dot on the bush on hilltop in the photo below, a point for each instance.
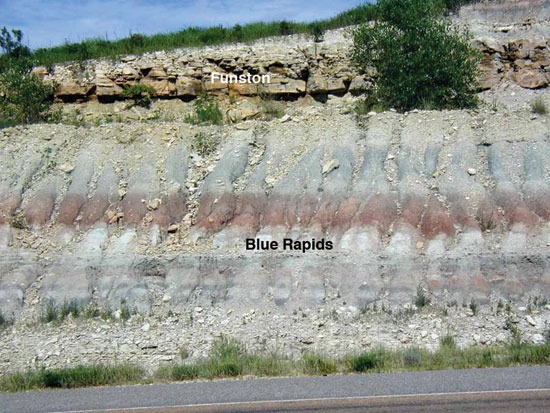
(420, 60)
(24, 98)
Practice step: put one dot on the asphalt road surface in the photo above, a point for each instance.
(519, 389)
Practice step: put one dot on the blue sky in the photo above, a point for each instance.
(51, 22)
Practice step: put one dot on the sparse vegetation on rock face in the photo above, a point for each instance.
(204, 143)
(421, 300)
(207, 111)
(141, 94)
(421, 61)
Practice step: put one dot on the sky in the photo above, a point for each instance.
(52, 22)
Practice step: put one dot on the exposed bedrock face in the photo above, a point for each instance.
(440, 200)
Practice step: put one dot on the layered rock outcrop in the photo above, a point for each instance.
(515, 49)
(458, 202)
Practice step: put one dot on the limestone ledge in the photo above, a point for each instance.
(296, 69)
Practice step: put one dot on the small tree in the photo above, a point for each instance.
(421, 61)
(24, 98)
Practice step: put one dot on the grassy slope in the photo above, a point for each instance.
(194, 36)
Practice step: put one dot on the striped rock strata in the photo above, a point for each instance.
(453, 201)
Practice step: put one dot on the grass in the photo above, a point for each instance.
(447, 341)
(79, 376)
(316, 364)
(227, 358)
(69, 308)
(50, 312)
(538, 106)
(53, 312)
(196, 37)
(230, 358)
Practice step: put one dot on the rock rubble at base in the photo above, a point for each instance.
(336, 330)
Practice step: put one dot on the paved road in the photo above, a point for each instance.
(507, 389)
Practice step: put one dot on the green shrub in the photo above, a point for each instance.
(285, 28)
(238, 32)
(226, 358)
(367, 361)
(421, 61)
(206, 111)
(141, 94)
(126, 312)
(24, 98)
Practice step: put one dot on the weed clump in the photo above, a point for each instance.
(318, 32)
(473, 307)
(271, 108)
(207, 111)
(538, 106)
(447, 341)
(69, 308)
(421, 300)
(205, 143)
(140, 94)
(50, 312)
